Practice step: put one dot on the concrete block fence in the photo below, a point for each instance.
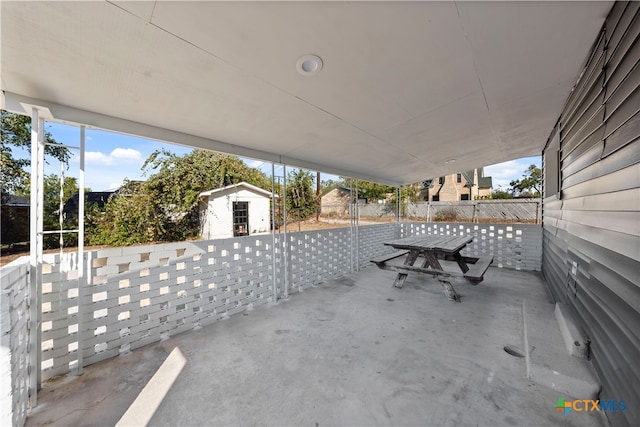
(15, 324)
(133, 296)
(517, 246)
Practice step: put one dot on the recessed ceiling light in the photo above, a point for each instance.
(450, 161)
(309, 65)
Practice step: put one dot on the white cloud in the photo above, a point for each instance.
(126, 154)
(97, 157)
(117, 155)
(115, 185)
(503, 173)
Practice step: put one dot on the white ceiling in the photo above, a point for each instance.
(405, 88)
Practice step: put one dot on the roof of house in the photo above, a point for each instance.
(99, 198)
(344, 189)
(12, 200)
(246, 185)
(485, 182)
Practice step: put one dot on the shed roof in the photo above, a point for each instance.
(220, 191)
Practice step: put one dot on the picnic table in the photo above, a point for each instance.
(431, 250)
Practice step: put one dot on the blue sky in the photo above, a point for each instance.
(503, 173)
(111, 157)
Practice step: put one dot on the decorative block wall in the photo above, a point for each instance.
(316, 256)
(14, 343)
(138, 295)
(371, 240)
(517, 246)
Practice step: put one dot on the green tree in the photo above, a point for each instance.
(15, 133)
(130, 216)
(499, 193)
(178, 180)
(408, 194)
(329, 184)
(165, 207)
(51, 212)
(300, 193)
(52, 215)
(369, 190)
(530, 185)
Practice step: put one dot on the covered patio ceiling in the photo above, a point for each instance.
(407, 90)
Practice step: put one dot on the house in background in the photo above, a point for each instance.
(468, 185)
(15, 219)
(336, 202)
(97, 198)
(236, 210)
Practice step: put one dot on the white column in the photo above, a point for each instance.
(82, 275)
(274, 200)
(351, 209)
(36, 240)
(285, 242)
(357, 234)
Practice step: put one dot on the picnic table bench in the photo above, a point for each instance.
(433, 249)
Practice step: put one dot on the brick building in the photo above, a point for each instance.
(468, 185)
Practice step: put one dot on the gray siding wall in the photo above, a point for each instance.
(591, 208)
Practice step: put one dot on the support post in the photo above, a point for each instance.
(273, 231)
(399, 228)
(285, 242)
(82, 275)
(35, 255)
(318, 205)
(357, 229)
(351, 210)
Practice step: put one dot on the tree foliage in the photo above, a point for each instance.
(530, 185)
(165, 207)
(130, 216)
(498, 194)
(15, 133)
(369, 190)
(300, 193)
(51, 212)
(178, 180)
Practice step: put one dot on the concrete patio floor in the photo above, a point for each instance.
(352, 351)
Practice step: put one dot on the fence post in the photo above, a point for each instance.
(285, 246)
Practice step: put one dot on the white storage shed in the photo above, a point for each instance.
(236, 210)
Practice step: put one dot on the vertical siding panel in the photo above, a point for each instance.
(591, 224)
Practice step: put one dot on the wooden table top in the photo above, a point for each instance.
(447, 244)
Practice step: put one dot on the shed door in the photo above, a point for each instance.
(240, 219)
